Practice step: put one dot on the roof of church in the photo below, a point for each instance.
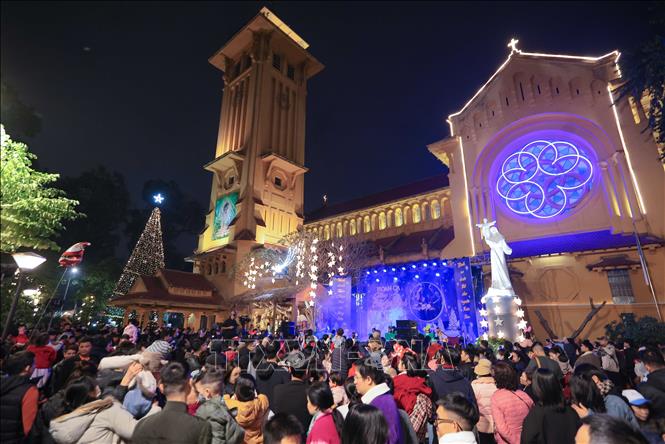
(613, 262)
(410, 189)
(184, 279)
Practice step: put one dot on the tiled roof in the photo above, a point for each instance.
(182, 279)
(411, 189)
(616, 261)
(162, 297)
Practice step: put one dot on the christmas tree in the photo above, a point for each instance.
(147, 257)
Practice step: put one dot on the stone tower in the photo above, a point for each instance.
(258, 169)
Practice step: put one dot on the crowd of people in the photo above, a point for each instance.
(162, 385)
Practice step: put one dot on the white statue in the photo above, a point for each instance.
(498, 250)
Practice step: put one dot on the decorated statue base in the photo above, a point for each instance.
(502, 314)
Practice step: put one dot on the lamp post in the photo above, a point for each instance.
(25, 262)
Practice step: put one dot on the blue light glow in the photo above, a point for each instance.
(417, 276)
(544, 178)
(158, 198)
(377, 280)
(413, 266)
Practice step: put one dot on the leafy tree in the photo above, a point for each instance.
(645, 330)
(644, 74)
(21, 120)
(32, 212)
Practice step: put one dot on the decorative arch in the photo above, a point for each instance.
(416, 213)
(435, 209)
(399, 218)
(382, 221)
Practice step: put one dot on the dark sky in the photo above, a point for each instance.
(144, 101)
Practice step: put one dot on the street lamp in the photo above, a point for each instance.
(25, 262)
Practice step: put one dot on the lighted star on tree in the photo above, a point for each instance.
(498, 322)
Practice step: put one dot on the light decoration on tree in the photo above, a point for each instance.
(147, 256)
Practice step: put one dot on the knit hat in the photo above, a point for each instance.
(483, 368)
(161, 347)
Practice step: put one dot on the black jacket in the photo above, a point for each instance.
(545, 425)
(12, 390)
(654, 390)
(173, 425)
(268, 376)
(445, 381)
(291, 398)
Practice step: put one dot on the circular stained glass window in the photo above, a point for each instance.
(544, 178)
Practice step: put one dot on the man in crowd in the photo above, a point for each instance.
(608, 355)
(85, 350)
(291, 397)
(539, 359)
(283, 429)
(269, 374)
(370, 383)
(18, 398)
(654, 387)
(173, 424)
(230, 326)
(455, 419)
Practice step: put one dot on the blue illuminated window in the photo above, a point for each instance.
(544, 178)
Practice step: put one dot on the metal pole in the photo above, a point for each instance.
(645, 271)
(48, 302)
(12, 309)
(62, 305)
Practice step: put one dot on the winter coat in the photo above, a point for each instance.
(339, 361)
(339, 395)
(173, 425)
(44, 355)
(589, 358)
(616, 407)
(103, 421)
(225, 429)
(406, 390)
(483, 389)
(323, 430)
(445, 381)
(550, 425)
(654, 390)
(12, 391)
(544, 362)
(609, 358)
(268, 376)
(291, 398)
(508, 412)
(251, 416)
(379, 396)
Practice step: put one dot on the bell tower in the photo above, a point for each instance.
(258, 169)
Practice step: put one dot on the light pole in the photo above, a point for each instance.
(25, 262)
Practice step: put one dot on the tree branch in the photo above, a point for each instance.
(545, 324)
(594, 311)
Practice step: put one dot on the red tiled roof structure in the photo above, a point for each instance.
(183, 279)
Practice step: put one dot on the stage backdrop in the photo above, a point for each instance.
(436, 293)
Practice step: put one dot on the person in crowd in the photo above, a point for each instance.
(18, 398)
(467, 363)
(652, 429)
(353, 396)
(252, 410)
(608, 355)
(455, 419)
(85, 351)
(132, 331)
(370, 383)
(337, 388)
(88, 419)
(230, 377)
(339, 361)
(550, 420)
(653, 388)
(283, 429)
(540, 360)
(509, 406)
(587, 355)
(412, 393)
(365, 424)
(605, 429)
(21, 339)
(338, 340)
(591, 390)
(44, 358)
(447, 379)
(173, 424)
(571, 350)
(225, 429)
(326, 425)
(557, 355)
(291, 397)
(230, 326)
(629, 355)
(483, 388)
(269, 374)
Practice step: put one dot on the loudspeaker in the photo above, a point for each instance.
(288, 328)
(406, 329)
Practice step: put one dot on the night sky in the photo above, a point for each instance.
(128, 85)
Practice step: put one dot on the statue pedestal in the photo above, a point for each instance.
(502, 314)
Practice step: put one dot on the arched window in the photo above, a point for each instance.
(382, 221)
(407, 215)
(416, 214)
(373, 222)
(436, 209)
(345, 227)
(367, 227)
(340, 233)
(326, 232)
(352, 227)
(389, 219)
(426, 214)
(399, 221)
(216, 268)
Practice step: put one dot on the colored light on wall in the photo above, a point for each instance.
(544, 178)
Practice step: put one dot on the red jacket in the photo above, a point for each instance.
(44, 355)
(323, 430)
(407, 389)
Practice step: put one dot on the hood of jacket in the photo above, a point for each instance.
(70, 428)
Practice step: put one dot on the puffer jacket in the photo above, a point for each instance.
(103, 421)
(251, 416)
(508, 412)
(225, 429)
(483, 388)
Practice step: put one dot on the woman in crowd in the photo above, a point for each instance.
(412, 393)
(365, 424)
(352, 395)
(509, 405)
(88, 419)
(326, 425)
(588, 356)
(252, 409)
(230, 378)
(550, 420)
(483, 389)
(557, 354)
